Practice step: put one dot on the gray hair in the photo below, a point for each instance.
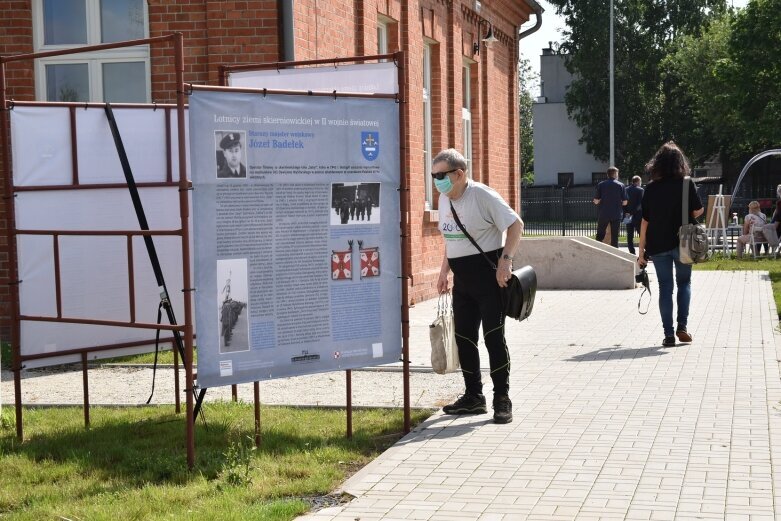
(452, 157)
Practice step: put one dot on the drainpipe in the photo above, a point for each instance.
(537, 10)
(286, 40)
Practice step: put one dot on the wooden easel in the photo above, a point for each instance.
(717, 223)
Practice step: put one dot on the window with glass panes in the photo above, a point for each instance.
(114, 75)
(466, 114)
(427, 141)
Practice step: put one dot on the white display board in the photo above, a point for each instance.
(93, 269)
(370, 78)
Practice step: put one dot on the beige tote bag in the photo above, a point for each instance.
(442, 333)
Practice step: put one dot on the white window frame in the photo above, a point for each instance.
(382, 35)
(94, 60)
(427, 133)
(466, 115)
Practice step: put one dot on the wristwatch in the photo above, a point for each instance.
(507, 257)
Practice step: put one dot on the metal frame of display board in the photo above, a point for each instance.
(398, 58)
(186, 329)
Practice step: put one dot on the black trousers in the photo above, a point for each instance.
(476, 301)
(615, 225)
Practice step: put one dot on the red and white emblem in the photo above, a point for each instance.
(370, 262)
(341, 265)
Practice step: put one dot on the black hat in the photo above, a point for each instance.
(230, 140)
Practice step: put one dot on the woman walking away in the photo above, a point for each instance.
(662, 209)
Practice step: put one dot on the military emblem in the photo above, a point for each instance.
(341, 265)
(370, 145)
(370, 262)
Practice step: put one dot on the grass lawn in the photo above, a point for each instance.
(131, 464)
(730, 263)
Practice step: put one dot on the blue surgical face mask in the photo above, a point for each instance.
(444, 186)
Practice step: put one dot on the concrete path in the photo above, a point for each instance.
(607, 423)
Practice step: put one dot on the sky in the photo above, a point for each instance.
(552, 25)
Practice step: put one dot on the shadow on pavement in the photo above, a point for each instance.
(617, 354)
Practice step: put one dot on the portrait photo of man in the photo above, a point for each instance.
(230, 154)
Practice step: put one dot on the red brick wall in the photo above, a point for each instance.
(225, 32)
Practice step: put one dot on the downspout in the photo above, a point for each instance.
(537, 10)
(287, 37)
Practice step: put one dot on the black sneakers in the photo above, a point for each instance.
(467, 404)
(503, 409)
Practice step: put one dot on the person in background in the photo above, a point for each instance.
(477, 284)
(662, 208)
(610, 197)
(633, 209)
(771, 230)
(754, 217)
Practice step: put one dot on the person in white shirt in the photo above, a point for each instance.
(754, 218)
(477, 280)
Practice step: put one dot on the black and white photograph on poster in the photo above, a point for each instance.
(231, 154)
(233, 291)
(370, 260)
(355, 203)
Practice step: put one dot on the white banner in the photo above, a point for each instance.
(371, 78)
(93, 269)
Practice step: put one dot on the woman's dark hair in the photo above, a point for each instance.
(668, 162)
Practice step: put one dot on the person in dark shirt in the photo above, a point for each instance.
(231, 148)
(662, 208)
(610, 197)
(633, 209)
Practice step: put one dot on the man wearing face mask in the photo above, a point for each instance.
(476, 283)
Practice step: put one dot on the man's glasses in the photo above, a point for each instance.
(439, 176)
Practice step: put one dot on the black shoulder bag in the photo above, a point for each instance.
(518, 296)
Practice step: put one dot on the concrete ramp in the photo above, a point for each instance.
(577, 263)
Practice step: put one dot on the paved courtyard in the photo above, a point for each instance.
(608, 425)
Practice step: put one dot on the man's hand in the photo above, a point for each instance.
(503, 272)
(442, 284)
(641, 259)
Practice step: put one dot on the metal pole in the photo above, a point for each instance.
(85, 383)
(177, 399)
(563, 212)
(13, 275)
(184, 212)
(612, 94)
(405, 235)
(349, 384)
(256, 393)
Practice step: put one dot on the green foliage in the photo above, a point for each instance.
(131, 463)
(238, 461)
(701, 118)
(644, 35)
(755, 73)
(525, 102)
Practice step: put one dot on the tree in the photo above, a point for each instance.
(724, 86)
(701, 116)
(754, 73)
(644, 33)
(525, 101)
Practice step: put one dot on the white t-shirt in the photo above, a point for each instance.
(484, 214)
(751, 218)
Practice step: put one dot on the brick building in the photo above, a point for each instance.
(462, 92)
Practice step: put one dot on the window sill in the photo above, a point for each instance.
(431, 216)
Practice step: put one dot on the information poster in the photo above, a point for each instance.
(296, 234)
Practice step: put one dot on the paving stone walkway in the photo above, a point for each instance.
(608, 424)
